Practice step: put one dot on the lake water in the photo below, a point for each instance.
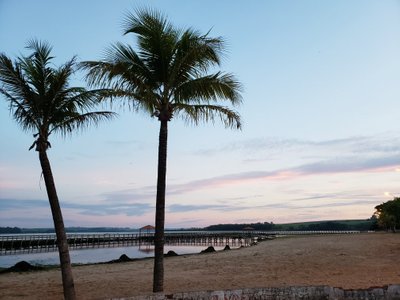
(85, 256)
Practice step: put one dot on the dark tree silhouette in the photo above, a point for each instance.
(167, 76)
(388, 214)
(42, 102)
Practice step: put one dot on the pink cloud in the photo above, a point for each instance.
(379, 165)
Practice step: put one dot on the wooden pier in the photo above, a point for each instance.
(18, 244)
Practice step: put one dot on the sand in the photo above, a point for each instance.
(347, 261)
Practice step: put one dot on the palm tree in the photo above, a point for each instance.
(42, 102)
(167, 76)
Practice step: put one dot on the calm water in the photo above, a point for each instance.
(85, 256)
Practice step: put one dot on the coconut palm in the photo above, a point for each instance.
(42, 102)
(167, 76)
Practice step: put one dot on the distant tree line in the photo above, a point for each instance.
(362, 225)
(334, 225)
(238, 227)
(388, 215)
(4, 230)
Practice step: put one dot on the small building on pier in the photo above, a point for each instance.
(146, 239)
(146, 231)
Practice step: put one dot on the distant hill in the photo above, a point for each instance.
(362, 225)
(10, 230)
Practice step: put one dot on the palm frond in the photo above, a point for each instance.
(13, 79)
(147, 24)
(36, 66)
(18, 93)
(214, 87)
(21, 113)
(41, 51)
(73, 121)
(99, 73)
(193, 55)
(196, 114)
(198, 50)
(121, 67)
(156, 40)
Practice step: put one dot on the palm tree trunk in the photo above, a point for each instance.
(158, 274)
(62, 243)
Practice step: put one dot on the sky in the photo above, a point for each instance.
(320, 137)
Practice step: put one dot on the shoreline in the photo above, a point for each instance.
(102, 254)
(346, 261)
(27, 267)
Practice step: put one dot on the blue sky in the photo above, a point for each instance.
(320, 139)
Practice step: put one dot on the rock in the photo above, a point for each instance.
(22, 266)
(227, 248)
(170, 253)
(210, 249)
(124, 257)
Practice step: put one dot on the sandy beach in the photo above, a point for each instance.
(347, 261)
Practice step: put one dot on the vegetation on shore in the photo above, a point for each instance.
(362, 225)
(388, 214)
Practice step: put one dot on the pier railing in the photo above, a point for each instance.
(16, 244)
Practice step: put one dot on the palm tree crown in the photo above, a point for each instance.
(167, 74)
(40, 97)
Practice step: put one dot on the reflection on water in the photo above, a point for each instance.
(86, 256)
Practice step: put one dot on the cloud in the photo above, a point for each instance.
(135, 202)
(112, 207)
(334, 166)
(384, 143)
(130, 195)
(344, 203)
(188, 207)
(136, 209)
(350, 155)
(350, 164)
(177, 208)
(341, 195)
(7, 204)
(90, 209)
(184, 208)
(332, 201)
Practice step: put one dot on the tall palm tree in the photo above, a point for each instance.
(42, 102)
(167, 76)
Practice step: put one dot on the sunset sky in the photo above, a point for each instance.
(321, 109)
